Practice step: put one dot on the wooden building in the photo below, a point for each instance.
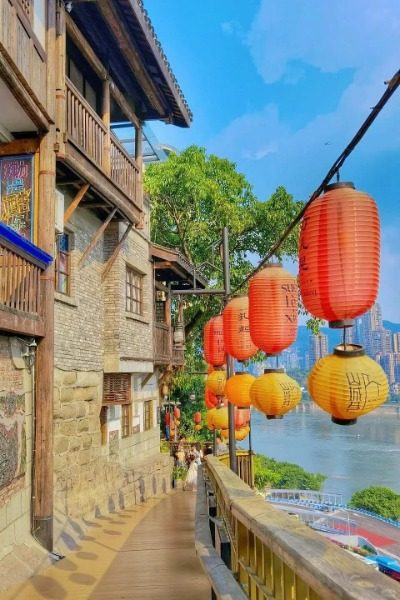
(77, 82)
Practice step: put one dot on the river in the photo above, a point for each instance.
(353, 457)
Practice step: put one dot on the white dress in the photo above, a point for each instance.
(191, 477)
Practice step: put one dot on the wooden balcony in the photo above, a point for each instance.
(273, 555)
(164, 351)
(23, 60)
(98, 147)
(21, 265)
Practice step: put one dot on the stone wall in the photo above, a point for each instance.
(94, 334)
(15, 446)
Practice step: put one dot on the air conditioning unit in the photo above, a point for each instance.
(59, 212)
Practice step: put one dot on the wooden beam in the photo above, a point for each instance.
(21, 324)
(109, 12)
(25, 146)
(114, 255)
(75, 203)
(146, 380)
(96, 238)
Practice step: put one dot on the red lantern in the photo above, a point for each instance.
(339, 253)
(197, 417)
(177, 412)
(167, 419)
(273, 299)
(214, 349)
(210, 399)
(238, 342)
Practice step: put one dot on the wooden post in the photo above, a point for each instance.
(42, 484)
(139, 162)
(61, 110)
(106, 117)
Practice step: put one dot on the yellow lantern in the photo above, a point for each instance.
(177, 422)
(237, 389)
(242, 433)
(216, 382)
(347, 384)
(197, 427)
(210, 419)
(220, 418)
(275, 393)
(225, 433)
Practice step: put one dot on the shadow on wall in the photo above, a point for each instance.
(142, 490)
(154, 485)
(121, 499)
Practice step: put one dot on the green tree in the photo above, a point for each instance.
(193, 196)
(185, 385)
(380, 500)
(271, 473)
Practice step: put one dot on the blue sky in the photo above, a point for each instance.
(280, 87)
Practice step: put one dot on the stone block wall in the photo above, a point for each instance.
(15, 446)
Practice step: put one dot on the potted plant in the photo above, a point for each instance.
(178, 477)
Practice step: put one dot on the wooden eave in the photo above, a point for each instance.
(171, 266)
(122, 37)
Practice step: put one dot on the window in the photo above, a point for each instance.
(63, 264)
(134, 292)
(148, 415)
(117, 392)
(82, 76)
(103, 425)
(126, 420)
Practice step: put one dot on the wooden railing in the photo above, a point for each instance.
(20, 285)
(274, 556)
(245, 465)
(162, 343)
(17, 38)
(84, 126)
(87, 131)
(124, 170)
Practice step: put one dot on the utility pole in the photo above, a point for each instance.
(229, 359)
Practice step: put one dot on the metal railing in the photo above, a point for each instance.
(274, 556)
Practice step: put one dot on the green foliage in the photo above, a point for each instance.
(270, 473)
(164, 447)
(380, 500)
(193, 196)
(184, 384)
(179, 472)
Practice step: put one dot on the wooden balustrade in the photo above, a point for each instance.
(19, 282)
(86, 130)
(245, 464)
(162, 343)
(124, 170)
(274, 556)
(19, 287)
(84, 127)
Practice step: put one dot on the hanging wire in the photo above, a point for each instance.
(392, 86)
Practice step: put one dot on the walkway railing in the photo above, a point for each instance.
(274, 556)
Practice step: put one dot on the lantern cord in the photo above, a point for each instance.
(392, 86)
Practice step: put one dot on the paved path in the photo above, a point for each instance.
(143, 553)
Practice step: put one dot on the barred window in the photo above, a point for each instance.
(134, 292)
(126, 420)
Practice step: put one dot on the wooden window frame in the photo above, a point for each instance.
(148, 415)
(117, 389)
(126, 420)
(104, 425)
(58, 271)
(134, 304)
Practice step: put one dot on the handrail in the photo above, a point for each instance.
(124, 169)
(276, 556)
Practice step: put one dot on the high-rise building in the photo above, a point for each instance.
(318, 347)
(387, 363)
(370, 331)
(396, 342)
